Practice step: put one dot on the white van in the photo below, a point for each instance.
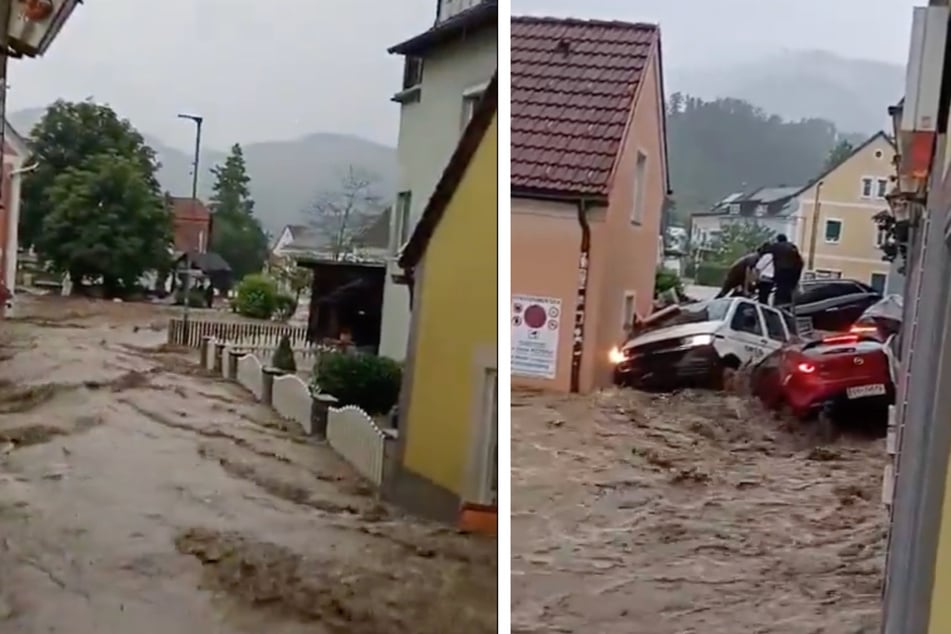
(694, 345)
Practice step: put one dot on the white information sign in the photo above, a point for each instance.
(536, 324)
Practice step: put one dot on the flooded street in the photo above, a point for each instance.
(137, 494)
(689, 513)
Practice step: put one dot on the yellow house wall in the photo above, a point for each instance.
(856, 254)
(458, 319)
(940, 619)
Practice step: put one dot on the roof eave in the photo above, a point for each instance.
(560, 195)
(483, 15)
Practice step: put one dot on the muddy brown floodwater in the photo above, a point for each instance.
(138, 494)
(686, 514)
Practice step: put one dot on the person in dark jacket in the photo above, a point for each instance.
(739, 276)
(787, 265)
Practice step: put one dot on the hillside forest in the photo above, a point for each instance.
(726, 145)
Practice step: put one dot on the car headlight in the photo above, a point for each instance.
(698, 340)
(615, 356)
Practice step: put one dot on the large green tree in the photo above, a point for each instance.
(738, 239)
(839, 153)
(69, 135)
(727, 145)
(105, 221)
(237, 235)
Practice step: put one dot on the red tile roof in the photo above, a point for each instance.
(573, 87)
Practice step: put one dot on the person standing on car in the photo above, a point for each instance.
(765, 272)
(787, 269)
(740, 275)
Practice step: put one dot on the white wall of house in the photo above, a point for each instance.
(430, 128)
(285, 239)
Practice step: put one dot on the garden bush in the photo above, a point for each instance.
(283, 358)
(285, 306)
(367, 381)
(256, 296)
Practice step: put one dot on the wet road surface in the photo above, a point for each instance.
(693, 513)
(138, 494)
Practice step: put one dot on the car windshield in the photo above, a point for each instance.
(713, 310)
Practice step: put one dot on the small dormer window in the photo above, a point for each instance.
(450, 8)
(412, 72)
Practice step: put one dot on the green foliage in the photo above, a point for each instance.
(367, 381)
(237, 235)
(842, 150)
(727, 145)
(738, 239)
(105, 219)
(283, 358)
(70, 136)
(711, 273)
(256, 296)
(665, 279)
(284, 306)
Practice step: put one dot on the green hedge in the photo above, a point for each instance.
(256, 296)
(367, 381)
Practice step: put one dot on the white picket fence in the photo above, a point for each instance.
(361, 442)
(351, 432)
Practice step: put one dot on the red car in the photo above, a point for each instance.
(834, 376)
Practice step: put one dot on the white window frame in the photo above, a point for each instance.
(626, 320)
(470, 101)
(483, 470)
(402, 221)
(871, 187)
(873, 274)
(825, 230)
(640, 186)
(879, 187)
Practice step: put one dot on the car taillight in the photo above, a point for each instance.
(866, 330)
(806, 368)
(850, 338)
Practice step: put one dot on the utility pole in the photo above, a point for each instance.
(188, 271)
(816, 210)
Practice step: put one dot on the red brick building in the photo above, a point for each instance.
(191, 224)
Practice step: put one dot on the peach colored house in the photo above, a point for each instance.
(589, 179)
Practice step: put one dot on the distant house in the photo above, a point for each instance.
(446, 458)
(16, 151)
(838, 207)
(773, 208)
(446, 68)
(589, 182)
(191, 224)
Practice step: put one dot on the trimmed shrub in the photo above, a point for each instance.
(256, 296)
(285, 306)
(370, 382)
(283, 358)
(711, 274)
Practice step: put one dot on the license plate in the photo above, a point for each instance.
(864, 391)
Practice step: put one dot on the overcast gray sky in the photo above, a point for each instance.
(257, 70)
(702, 32)
(272, 70)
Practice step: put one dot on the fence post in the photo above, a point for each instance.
(203, 350)
(219, 353)
(320, 405)
(233, 355)
(267, 383)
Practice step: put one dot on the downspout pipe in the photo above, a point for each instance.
(584, 260)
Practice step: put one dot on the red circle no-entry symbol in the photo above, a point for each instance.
(535, 316)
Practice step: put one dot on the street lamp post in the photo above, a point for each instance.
(188, 273)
